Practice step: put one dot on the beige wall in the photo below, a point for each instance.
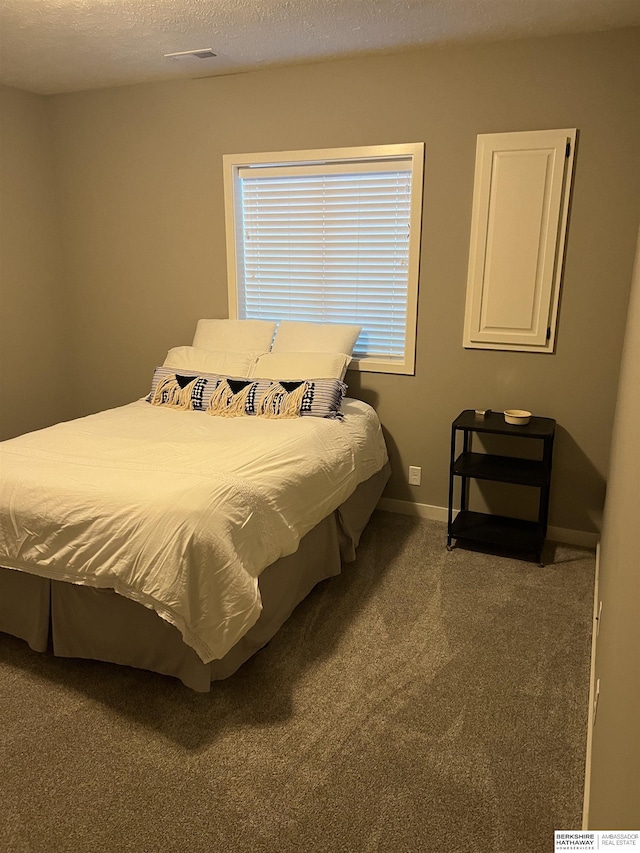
(33, 342)
(139, 173)
(615, 759)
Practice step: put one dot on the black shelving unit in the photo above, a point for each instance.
(497, 532)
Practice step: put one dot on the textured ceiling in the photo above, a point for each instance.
(53, 46)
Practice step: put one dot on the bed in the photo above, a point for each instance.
(177, 533)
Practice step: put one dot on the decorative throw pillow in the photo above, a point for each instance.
(227, 396)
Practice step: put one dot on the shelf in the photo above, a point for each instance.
(499, 533)
(495, 423)
(502, 469)
(513, 534)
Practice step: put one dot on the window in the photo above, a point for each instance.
(330, 236)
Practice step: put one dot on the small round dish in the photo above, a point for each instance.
(517, 416)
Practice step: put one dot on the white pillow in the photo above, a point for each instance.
(234, 335)
(226, 363)
(301, 365)
(293, 336)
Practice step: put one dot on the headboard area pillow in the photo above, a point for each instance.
(300, 365)
(227, 396)
(234, 335)
(206, 361)
(293, 336)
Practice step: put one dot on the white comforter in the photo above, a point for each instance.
(177, 510)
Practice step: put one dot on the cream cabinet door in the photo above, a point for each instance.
(518, 227)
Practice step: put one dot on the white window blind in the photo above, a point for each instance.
(332, 242)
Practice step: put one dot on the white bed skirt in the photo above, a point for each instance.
(84, 622)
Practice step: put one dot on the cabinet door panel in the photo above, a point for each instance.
(517, 239)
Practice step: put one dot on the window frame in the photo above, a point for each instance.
(412, 152)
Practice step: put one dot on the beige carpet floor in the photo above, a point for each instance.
(424, 700)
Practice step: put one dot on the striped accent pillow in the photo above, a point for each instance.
(228, 396)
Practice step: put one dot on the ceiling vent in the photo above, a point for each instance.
(203, 53)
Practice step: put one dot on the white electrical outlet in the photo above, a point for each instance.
(415, 475)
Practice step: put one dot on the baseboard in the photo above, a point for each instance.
(439, 513)
(433, 513)
(592, 692)
(572, 537)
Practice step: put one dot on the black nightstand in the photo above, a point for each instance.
(524, 539)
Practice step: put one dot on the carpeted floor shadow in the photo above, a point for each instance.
(424, 700)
